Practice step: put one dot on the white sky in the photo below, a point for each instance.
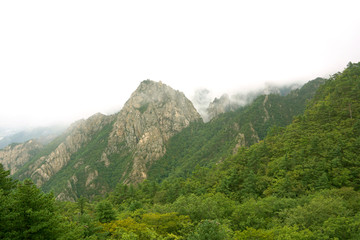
(65, 60)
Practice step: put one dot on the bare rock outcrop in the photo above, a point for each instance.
(78, 134)
(15, 156)
(101, 151)
(152, 115)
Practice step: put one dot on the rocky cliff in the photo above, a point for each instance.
(15, 156)
(79, 134)
(153, 114)
(101, 151)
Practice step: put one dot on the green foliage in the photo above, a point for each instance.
(167, 224)
(210, 230)
(204, 144)
(27, 213)
(129, 229)
(261, 213)
(299, 182)
(6, 183)
(203, 207)
(105, 212)
(254, 234)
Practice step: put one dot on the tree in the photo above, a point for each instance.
(81, 204)
(105, 212)
(34, 215)
(6, 183)
(209, 230)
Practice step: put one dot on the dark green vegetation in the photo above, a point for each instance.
(203, 144)
(300, 181)
(27, 213)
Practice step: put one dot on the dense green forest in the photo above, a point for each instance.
(203, 144)
(300, 181)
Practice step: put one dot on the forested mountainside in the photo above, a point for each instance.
(299, 181)
(227, 103)
(203, 144)
(93, 155)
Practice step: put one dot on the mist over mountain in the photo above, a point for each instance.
(209, 106)
(95, 154)
(43, 135)
(283, 166)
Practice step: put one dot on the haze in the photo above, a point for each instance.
(65, 60)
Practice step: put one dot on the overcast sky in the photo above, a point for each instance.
(66, 60)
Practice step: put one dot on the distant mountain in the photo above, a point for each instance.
(227, 103)
(43, 135)
(93, 155)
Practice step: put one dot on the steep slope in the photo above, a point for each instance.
(300, 182)
(101, 151)
(228, 103)
(153, 114)
(206, 143)
(15, 156)
(319, 150)
(80, 133)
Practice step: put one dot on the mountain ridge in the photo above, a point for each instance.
(100, 151)
(95, 154)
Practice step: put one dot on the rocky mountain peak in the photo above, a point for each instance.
(153, 114)
(151, 92)
(122, 146)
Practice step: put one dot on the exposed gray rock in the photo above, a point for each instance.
(78, 134)
(15, 156)
(153, 114)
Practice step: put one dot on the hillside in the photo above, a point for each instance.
(14, 156)
(157, 134)
(299, 181)
(93, 155)
(203, 144)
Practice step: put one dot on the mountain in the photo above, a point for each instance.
(43, 135)
(93, 155)
(203, 144)
(209, 108)
(156, 134)
(301, 181)
(281, 181)
(14, 156)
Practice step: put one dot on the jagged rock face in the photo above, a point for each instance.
(152, 115)
(221, 105)
(14, 157)
(121, 146)
(78, 134)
